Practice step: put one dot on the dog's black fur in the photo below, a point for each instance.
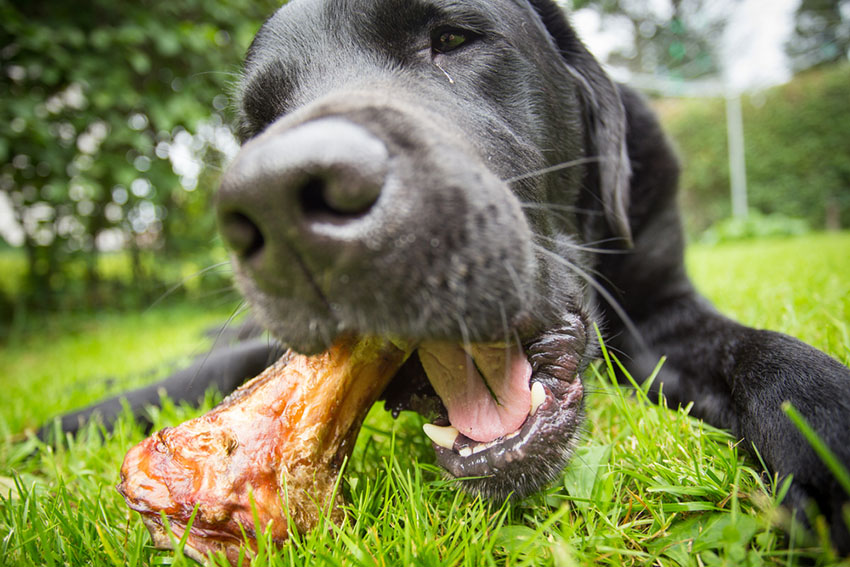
(402, 176)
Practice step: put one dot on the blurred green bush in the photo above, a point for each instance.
(754, 225)
(797, 151)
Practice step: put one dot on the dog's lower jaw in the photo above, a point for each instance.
(528, 459)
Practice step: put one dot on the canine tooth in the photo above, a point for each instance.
(465, 452)
(538, 396)
(442, 436)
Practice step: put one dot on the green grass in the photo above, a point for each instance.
(648, 486)
(799, 286)
(76, 360)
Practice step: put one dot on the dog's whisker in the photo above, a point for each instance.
(580, 247)
(596, 275)
(612, 240)
(515, 279)
(554, 168)
(167, 293)
(213, 166)
(240, 308)
(466, 342)
(506, 331)
(223, 291)
(550, 207)
(603, 293)
(235, 74)
(536, 297)
(598, 390)
(556, 217)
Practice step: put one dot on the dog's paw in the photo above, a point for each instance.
(772, 369)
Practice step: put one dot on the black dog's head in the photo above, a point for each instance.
(427, 170)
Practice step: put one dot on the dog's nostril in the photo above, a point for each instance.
(338, 196)
(241, 234)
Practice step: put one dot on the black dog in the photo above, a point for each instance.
(461, 174)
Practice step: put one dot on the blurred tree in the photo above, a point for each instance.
(821, 33)
(675, 39)
(101, 107)
(797, 151)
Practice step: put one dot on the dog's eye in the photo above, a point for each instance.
(445, 40)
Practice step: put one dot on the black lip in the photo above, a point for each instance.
(520, 465)
(525, 462)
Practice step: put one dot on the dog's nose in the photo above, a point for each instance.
(287, 185)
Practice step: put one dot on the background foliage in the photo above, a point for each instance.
(675, 39)
(105, 113)
(821, 33)
(797, 150)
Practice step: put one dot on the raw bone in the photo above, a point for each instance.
(280, 438)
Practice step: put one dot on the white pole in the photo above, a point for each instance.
(737, 159)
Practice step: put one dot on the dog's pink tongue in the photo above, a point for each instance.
(485, 388)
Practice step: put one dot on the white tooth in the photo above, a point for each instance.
(538, 396)
(442, 436)
(465, 452)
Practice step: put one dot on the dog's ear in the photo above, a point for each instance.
(605, 114)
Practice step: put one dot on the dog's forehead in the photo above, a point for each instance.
(299, 18)
(399, 6)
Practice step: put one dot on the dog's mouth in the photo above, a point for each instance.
(504, 417)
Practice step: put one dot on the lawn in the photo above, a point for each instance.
(648, 486)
